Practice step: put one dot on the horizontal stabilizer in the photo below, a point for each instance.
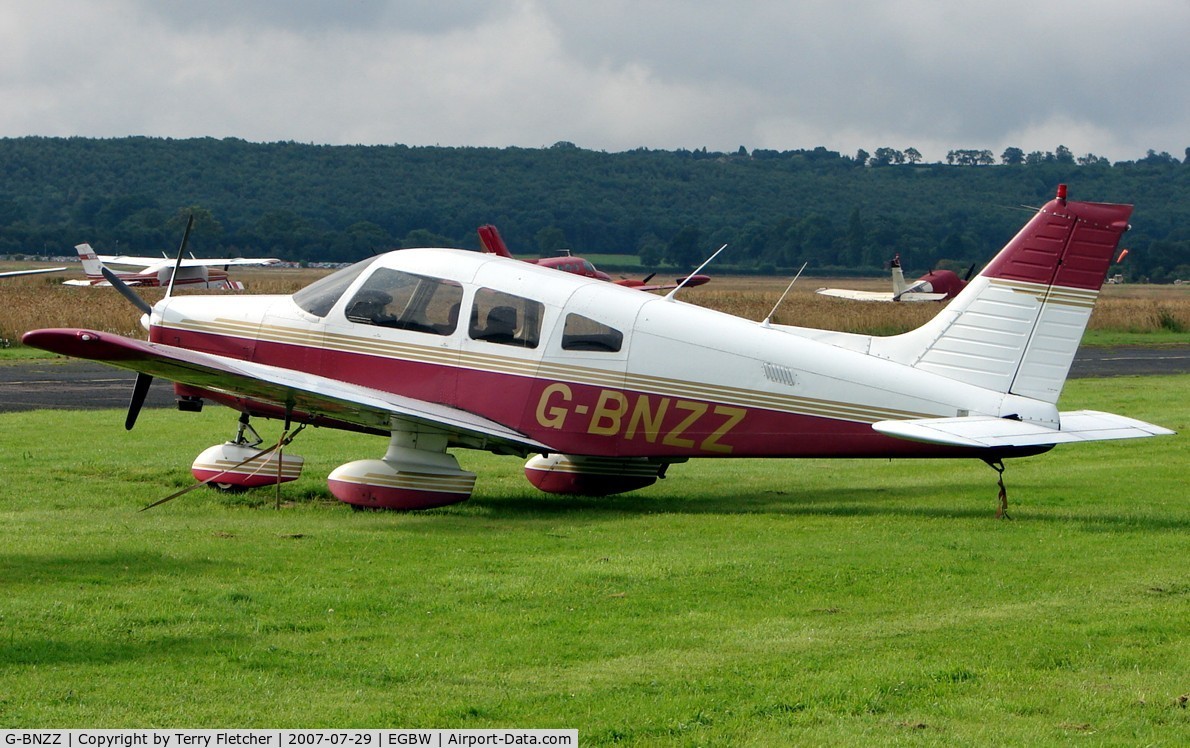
(991, 432)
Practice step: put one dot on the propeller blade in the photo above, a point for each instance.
(139, 391)
(169, 290)
(970, 270)
(126, 291)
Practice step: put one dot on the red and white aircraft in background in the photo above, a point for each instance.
(604, 388)
(936, 285)
(156, 271)
(493, 243)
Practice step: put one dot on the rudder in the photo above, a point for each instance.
(1016, 326)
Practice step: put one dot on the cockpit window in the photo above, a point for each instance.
(499, 317)
(585, 334)
(318, 297)
(392, 298)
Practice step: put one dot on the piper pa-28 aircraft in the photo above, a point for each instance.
(492, 242)
(936, 285)
(605, 387)
(157, 271)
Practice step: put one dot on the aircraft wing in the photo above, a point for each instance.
(846, 293)
(128, 280)
(305, 393)
(37, 271)
(639, 285)
(989, 431)
(154, 264)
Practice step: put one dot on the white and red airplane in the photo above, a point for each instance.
(936, 285)
(156, 271)
(604, 387)
(493, 243)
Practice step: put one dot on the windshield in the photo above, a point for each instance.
(318, 297)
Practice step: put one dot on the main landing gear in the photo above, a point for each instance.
(240, 464)
(416, 473)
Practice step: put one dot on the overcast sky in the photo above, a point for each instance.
(1099, 76)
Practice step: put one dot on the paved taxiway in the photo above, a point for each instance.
(66, 384)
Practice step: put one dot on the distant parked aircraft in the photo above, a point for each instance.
(194, 273)
(493, 243)
(936, 285)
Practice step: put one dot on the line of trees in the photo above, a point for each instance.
(775, 209)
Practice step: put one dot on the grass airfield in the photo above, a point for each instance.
(735, 603)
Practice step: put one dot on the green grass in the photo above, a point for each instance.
(737, 602)
(1111, 338)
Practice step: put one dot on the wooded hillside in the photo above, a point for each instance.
(775, 209)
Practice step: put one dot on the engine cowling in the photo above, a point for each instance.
(591, 476)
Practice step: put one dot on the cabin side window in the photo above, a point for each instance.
(585, 334)
(498, 317)
(405, 301)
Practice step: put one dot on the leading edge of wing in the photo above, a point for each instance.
(846, 293)
(992, 432)
(155, 264)
(306, 393)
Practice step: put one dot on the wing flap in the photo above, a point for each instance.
(304, 393)
(992, 432)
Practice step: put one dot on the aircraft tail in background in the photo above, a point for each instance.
(92, 265)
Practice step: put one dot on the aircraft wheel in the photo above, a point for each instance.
(228, 487)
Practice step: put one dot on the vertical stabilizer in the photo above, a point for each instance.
(492, 242)
(898, 278)
(1016, 326)
(92, 265)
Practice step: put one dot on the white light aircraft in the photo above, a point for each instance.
(936, 285)
(157, 271)
(604, 387)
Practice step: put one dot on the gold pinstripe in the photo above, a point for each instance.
(592, 466)
(1074, 297)
(259, 466)
(414, 481)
